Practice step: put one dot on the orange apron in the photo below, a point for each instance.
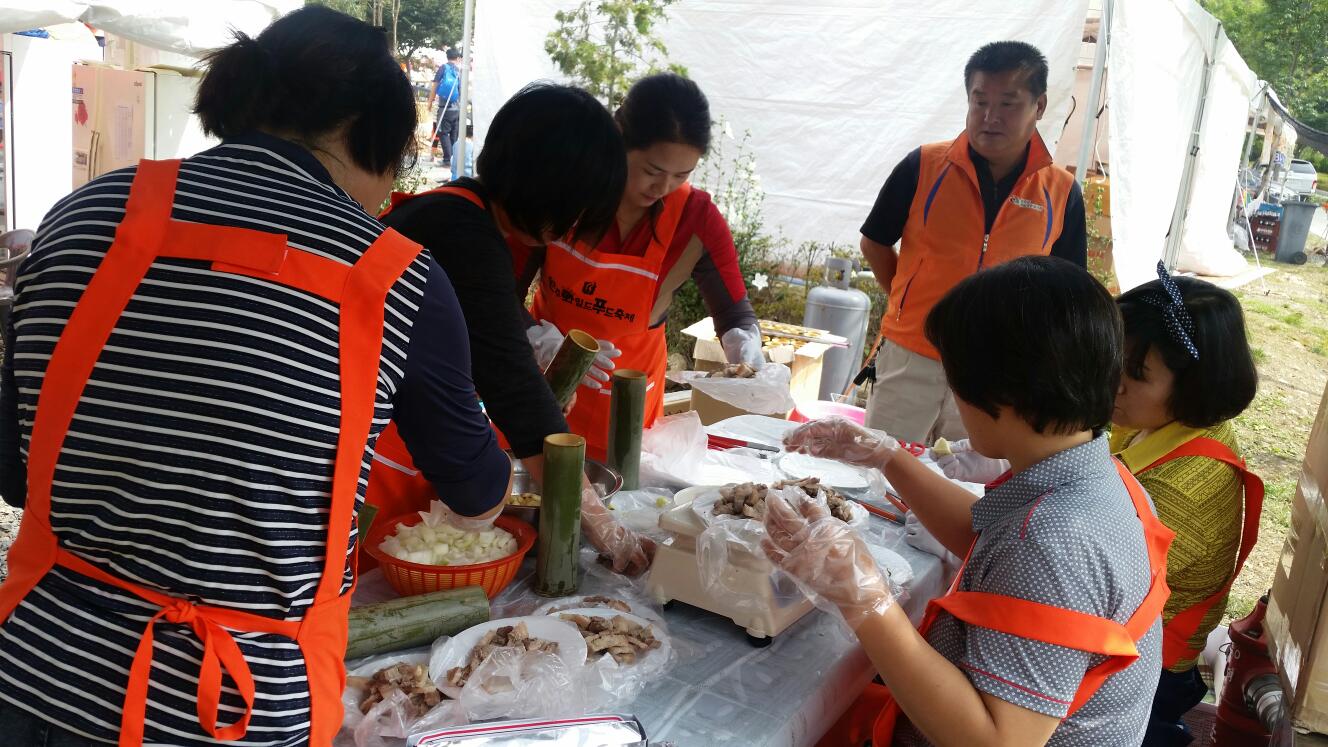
(610, 297)
(146, 234)
(396, 487)
(1176, 634)
(875, 714)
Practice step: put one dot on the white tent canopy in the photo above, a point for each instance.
(188, 27)
(834, 93)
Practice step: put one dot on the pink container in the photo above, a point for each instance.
(805, 411)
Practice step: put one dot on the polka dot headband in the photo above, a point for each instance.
(1179, 323)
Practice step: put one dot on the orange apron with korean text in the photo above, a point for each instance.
(147, 234)
(1176, 634)
(875, 714)
(610, 297)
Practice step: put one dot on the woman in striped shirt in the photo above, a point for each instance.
(202, 354)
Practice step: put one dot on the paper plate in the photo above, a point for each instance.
(901, 573)
(455, 652)
(646, 663)
(833, 473)
(704, 506)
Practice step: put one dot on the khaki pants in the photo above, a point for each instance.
(911, 400)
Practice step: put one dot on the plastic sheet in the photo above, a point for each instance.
(674, 453)
(767, 392)
(388, 722)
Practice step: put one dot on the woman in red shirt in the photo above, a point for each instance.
(666, 231)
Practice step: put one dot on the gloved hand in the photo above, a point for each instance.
(963, 463)
(545, 339)
(825, 557)
(439, 513)
(602, 371)
(916, 535)
(837, 438)
(626, 551)
(743, 345)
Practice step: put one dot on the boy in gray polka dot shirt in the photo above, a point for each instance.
(1059, 549)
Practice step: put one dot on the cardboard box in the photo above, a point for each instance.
(805, 362)
(1296, 623)
(712, 410)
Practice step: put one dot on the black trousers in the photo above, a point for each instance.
(448, 127)
(1177, 693)
(18, 727)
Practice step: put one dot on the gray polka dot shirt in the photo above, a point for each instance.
(1064, 533)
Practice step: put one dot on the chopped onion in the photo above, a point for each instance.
(436, 542)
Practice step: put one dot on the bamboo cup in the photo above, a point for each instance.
(627, 411)
(556, 568)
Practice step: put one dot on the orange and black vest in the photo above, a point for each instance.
(945, 238)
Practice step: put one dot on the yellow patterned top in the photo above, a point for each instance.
(1200, 500)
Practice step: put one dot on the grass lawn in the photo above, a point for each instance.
(1287, 316)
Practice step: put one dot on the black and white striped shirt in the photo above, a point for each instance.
(199, 459)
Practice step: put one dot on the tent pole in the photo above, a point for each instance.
(1182, 208)
(464, 99)
(1094, 102)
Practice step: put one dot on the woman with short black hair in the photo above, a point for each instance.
(665, 232)
(552, 165)
(202, 353)
(1188, 373)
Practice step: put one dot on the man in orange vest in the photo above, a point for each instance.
(955, 207)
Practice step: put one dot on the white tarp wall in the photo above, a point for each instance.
(834, 92)
(1156, 67)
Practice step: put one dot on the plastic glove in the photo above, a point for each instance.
(439, 513)
(602, 369)
(916, 535)
(837, 438)
(963, 463)
(743, 345)
(825, 557)
(626, 551)
(545, 340)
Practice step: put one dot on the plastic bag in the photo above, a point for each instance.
(639, 510)
(388, 721)
(732, 543)
(522, 684)
(766, 393)
(675, 453)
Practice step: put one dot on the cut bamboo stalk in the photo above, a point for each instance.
(627, 412)
(365, 520)
(570, 364)
(556, 567)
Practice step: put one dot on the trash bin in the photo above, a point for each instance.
(1296, 219)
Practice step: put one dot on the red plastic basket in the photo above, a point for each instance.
(417, 578)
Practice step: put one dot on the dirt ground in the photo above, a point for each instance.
(1287, 316)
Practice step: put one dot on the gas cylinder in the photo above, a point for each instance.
(841, 310)
(1248, 666)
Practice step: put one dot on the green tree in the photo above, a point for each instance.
(1285, 42)
(434, 24)
(604, 45)
(411, 25)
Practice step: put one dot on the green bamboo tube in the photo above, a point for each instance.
(627, 412)
(556, 567)
(570, 364)
(367, 513)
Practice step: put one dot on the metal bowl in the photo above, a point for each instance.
(604, 478)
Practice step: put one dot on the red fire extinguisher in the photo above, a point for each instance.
(1251, 694)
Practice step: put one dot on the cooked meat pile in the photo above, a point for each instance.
(411, 679)
(524, 499)
(748, 499)
(595, 601)
(733, 371)
(619, 637)
(508, 636)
